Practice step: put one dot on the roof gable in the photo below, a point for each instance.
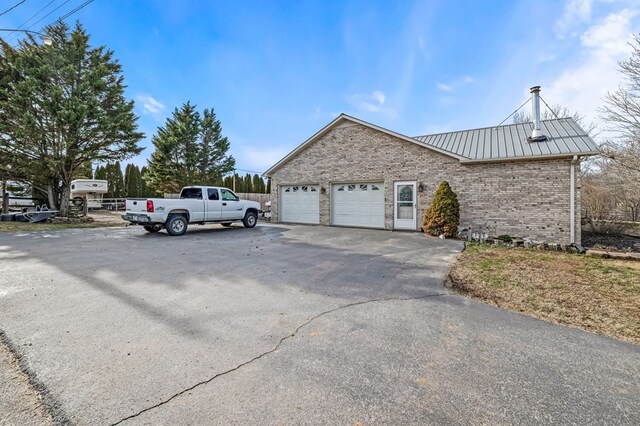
(340, 121)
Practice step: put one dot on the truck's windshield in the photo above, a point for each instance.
(195, 193)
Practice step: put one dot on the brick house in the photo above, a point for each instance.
(519, 179)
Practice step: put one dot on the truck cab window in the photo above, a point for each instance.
(228, 195)
(213, 194)
(191, 193)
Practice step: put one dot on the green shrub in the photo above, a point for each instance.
(505, 238)
(443, 215)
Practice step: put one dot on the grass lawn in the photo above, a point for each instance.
(598, 295)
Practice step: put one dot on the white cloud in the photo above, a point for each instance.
(378, 96)
(149, 104)
(575, 12)
(582, 87)
(371, 102)
(456, 84)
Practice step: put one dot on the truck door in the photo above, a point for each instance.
(231, 206)
(195, 203)
(213, 205)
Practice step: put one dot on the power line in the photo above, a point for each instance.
(43, 18)
(248, 171)
(86, 3)
(29, 20)
(12, 7)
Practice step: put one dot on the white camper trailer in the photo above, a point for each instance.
(92, 189)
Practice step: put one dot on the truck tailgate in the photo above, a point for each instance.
(137, 205)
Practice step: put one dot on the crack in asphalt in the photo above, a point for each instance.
(49, 402)
(275, 348)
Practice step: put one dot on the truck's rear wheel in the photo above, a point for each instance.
(176, 225)
(250, 220)
(152, 228)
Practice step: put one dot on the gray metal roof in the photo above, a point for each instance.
(564, 138)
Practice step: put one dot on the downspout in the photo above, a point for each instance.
(572, 203)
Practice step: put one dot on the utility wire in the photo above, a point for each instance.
(29, 20)
(247, 171)
(86, 3)
(12, 7)
(43, 18)
(517, 109)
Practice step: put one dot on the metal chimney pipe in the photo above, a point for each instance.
(536, 134)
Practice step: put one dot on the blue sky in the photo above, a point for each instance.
(278, 71)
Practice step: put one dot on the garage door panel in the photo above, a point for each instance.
(358, 204)
(300, 204)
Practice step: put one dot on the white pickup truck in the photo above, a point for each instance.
(197, 204)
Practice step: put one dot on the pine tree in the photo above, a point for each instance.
(258, 184)
(443, 215)
(62, 106)
(227, 182)
(100, 173)
(133, 181)
(189, 150)
(268, 190)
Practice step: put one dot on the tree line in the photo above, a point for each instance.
(132, 183)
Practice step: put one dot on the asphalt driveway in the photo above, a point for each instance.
(289, 325)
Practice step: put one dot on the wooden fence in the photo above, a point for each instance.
(260, 198)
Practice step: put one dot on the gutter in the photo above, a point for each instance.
(572, 203)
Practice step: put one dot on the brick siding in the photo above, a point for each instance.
(527, 198)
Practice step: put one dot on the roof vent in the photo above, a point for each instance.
(536, 134)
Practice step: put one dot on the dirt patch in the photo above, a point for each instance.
(611, 242)
(598, 295)
(20, 404)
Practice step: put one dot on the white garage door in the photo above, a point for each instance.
(300, 204)
(358, 204)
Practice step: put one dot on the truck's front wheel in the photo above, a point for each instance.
(250, 220)
(176, 225)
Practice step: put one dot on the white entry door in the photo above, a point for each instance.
(300, 204)
(404, 208)
(358, 204)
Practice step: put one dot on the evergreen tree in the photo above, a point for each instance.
(85, 171)
(62, 106)
(118, 181)
(133, 181)
(258, 184)
(146, 191)
(443, 215)
(268, 190)
(100, 173)
(189, 150)
(248, 185)
(227, 182)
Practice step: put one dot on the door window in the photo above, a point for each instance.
(213, 194)
(404, 203)
(228, 195)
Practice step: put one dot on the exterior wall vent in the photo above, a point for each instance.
(536, 134)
